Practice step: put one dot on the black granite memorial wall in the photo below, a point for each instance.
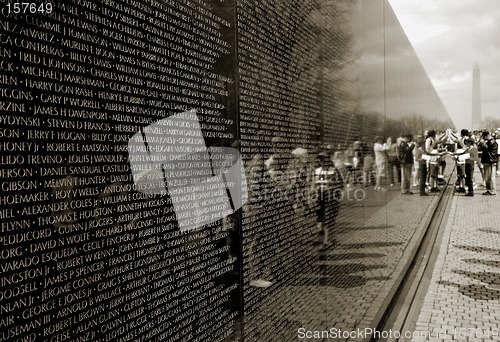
(95, 93)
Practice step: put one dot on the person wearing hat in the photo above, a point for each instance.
(489, 158)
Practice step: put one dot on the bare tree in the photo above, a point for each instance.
(491, 123)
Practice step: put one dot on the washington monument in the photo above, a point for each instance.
(476, 97)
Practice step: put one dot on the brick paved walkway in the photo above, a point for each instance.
(356, 278)
(458, 304)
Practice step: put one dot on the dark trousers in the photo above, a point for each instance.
(393, 162)
(469, 171)
(488, 178)
(423, 176)
(406, 174)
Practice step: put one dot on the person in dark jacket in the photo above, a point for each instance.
(406, 162)
(489, 158)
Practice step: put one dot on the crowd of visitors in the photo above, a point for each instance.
(419, 161)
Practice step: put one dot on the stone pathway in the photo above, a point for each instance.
(460, 305)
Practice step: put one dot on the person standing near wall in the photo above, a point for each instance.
(497, 139)
(461, 163)
(393, 161)
(489, 159)
(417, 156)
(406, 162)
(431, 149)
(380, 150)
(471, 149)
(422, 167)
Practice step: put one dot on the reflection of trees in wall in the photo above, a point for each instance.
(325, 21)
(286, 70)
(301, 76)
(317, 75)
(339, 79)
(416, 124)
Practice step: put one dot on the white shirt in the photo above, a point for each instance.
(380, 153)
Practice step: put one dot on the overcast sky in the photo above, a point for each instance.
(449, 36)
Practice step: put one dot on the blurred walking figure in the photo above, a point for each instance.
(339, 163)
(357, 162)
(301, 175)
(380, 148)
(257, 182)
(368, 169)
(328, 184)
(349, 165)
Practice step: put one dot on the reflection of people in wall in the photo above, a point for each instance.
(357, 161)
(257, 176)
(230, 223)
(368, 169)
(422, 166)
(339, 163)
(380, 148)
(406, 161)
(393, 161)
(431, 145)
(328, 183)
(276, 162)
(349, 165)
(417, 157)
(300, 173)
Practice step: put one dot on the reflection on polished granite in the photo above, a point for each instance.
(354, 276)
